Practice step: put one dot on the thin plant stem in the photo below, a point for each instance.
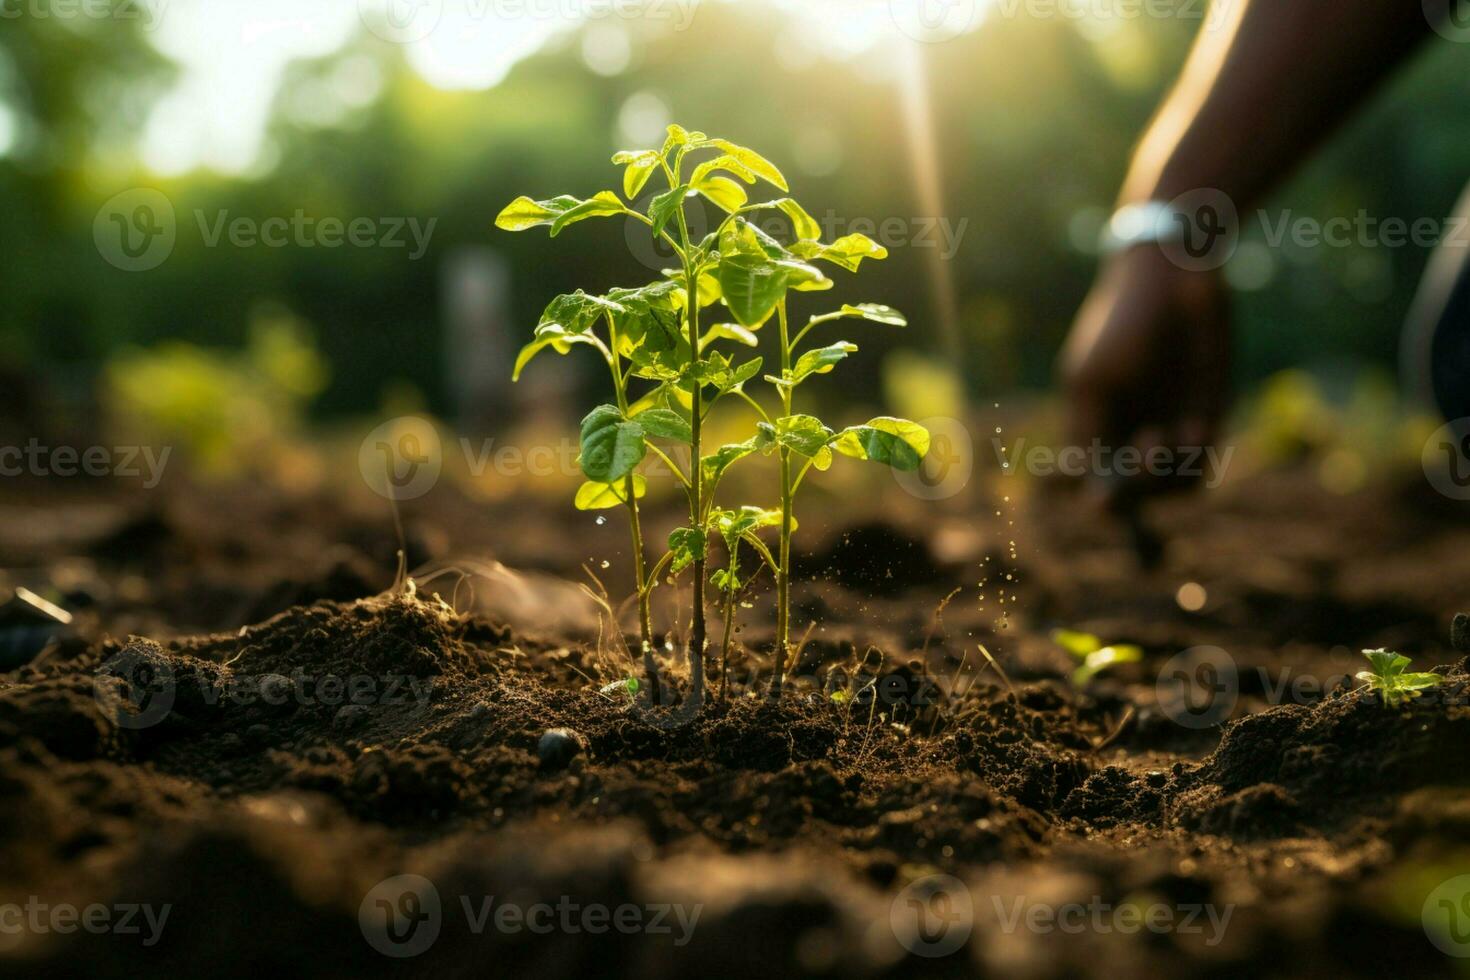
(640, 572)
(696, 476)
(783, 565)
(730, 591)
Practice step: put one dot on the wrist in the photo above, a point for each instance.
(1146, 222)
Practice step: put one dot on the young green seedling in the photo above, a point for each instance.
(732, 527)
(756, 274)
(612, 445)
(1092, 655)
(1389, 679)
(627, 687)
(654, 334)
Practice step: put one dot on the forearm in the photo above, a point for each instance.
(1261, 89)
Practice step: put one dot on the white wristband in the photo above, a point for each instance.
(1152, 222)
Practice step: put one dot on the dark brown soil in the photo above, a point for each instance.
(254, 728)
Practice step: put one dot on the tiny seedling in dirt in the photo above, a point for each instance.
(659, 337)
(1092, 655)
(627, 687)
(1390, 680)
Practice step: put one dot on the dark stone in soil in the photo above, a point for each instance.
(558, 746)
(1460, 633)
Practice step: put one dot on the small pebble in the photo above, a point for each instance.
(558, 746)
(1460, 633)
(1156, 778)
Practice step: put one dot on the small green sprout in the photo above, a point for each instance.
(628, 686)
(1388, 678)
(1093, 657)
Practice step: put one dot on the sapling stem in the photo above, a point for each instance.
(696, 475)
(783, 566)
(640, 572)
(730, 590)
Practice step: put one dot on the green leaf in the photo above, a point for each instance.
(715, 464)
(733, 524)
(649, 331)
(665, 423)
(716, 369)
(723, 191)
(679, 136)
(1076, 643)
(723, 162)
(803, 224)
(1100, 660)
(751, 287)
(804, 434)
(876, 312)
(1419, 681)
(575, 312)
(729, 331)
(663, 207)
(688, 545)
(724, 579)
(847, 252)
(1389, 679)
(754, 162)
(898, 443)
(1386, 664)
(628, 686)
(523, 213)
(640, 166)
(820, 360)
(600, 496)
(708, 289)
(551, 335)
(599, 205)
(611, 445)
(802, 277)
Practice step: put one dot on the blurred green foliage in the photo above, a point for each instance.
(223, 408)
(1035, 118)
